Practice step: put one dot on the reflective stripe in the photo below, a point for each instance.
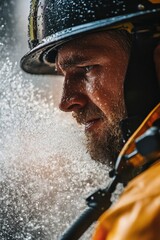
(154, 1)
(33, 21)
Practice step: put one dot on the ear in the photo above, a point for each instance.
(157, 61)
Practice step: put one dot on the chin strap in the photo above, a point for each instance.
(140, 151)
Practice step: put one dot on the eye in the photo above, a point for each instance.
(88, 68)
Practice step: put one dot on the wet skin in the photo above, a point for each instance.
(94, 69)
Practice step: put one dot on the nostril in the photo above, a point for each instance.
(74, 106)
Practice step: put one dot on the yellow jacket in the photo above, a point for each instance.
(136, 216)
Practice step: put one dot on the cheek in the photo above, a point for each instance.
(103, 97)
(106, 88)
(113, 84)
(95, 89)
(91, 84)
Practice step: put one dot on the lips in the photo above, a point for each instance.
(92, 124)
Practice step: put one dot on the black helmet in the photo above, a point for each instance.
(53, 22)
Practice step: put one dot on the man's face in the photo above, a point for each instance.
(94, 69)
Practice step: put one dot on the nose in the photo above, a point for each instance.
(73, 97)
(73, 102)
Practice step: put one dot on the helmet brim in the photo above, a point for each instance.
(33, 62)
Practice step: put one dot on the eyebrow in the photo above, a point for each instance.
(72, 61)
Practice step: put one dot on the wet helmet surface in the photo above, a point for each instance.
(53, 22)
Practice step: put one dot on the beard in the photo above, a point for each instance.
(105, 143)
(105, 146)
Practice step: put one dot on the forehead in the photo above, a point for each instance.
(91, 38)
(88, 45)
